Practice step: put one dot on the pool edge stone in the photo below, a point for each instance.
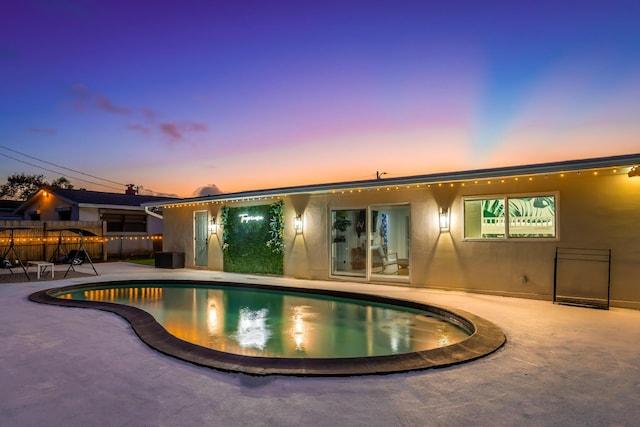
(485, 336)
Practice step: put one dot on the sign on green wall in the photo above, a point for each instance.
(246, 233)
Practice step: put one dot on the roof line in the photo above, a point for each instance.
(532, 169)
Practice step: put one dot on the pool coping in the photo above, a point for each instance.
(485, 338)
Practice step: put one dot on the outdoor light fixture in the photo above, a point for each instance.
(634, 171)
(213, 226)
(297, 224)
(444, 219)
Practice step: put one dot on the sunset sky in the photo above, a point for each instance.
(178, 95)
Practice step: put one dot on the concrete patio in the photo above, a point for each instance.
(561, 365)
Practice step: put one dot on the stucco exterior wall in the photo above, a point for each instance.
(307, 253)
(592, 212)
(178, 232)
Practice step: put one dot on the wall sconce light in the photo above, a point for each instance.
(444, 219)
(297, 224)
(634, 171)
(213, 227)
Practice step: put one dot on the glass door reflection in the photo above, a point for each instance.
(348, 242)
(390, 242)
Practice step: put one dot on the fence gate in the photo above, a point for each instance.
(582, 276)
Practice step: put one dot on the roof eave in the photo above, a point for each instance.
(118, 207)
(501, 172)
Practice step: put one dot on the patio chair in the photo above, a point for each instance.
(382, 262)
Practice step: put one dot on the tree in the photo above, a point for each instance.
(21, 186)
(62, 182)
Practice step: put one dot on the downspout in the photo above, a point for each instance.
(153, 214)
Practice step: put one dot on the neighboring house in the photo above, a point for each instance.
(7, 209)
(128, 228)
(496, 231)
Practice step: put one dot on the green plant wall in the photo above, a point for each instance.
(245, 242)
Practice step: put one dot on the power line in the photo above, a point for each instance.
(57, 172)
(58, 166)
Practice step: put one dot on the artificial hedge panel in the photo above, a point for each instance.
(247, 250)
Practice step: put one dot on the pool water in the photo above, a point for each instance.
(268, 323)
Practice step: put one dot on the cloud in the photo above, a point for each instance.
(171, 130)
(207, 190)
(46, 131)
(84, 99)
(176, 131)
(106, 105)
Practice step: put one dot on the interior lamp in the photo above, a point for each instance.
(297, 224)
(634, 171)
(444, 219)
(213, 227)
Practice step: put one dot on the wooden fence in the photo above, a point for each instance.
(50, 240)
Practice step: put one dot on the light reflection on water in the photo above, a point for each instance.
(275, 324)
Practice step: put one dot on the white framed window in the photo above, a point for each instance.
(530, 216)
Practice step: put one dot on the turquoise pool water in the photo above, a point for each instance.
(268, 323)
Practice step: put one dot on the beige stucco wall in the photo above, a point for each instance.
(178, 232)
(593, 212)
(306, 253)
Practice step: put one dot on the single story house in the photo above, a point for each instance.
(567, 230)
(125, 225)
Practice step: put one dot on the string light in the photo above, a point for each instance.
(594, 171)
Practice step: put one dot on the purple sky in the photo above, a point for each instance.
(173, 96)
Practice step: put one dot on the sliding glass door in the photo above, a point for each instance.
(348, 237)
(371, 243)
(390, 241)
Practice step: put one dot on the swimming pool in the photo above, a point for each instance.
(259, 329)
